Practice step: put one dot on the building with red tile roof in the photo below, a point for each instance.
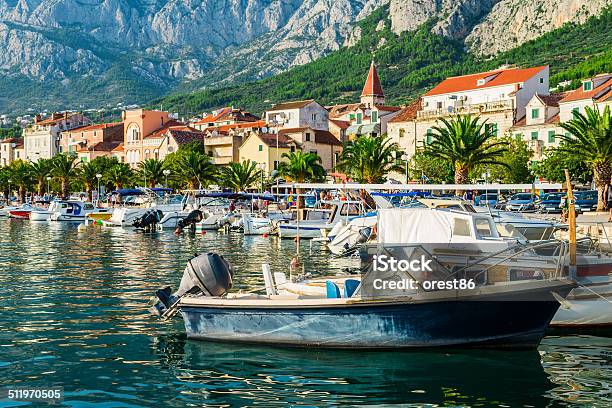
(594, 92)
(42, 138)
(85, 138)
(224, 117)
(372, 94)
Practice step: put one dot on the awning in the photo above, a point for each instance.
(363, 129)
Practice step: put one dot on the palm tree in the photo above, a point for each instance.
(194, 169)
(465, 142)
(5, 176)
(591, 140)
(40, 171)
(151, 171)
(21, 177)
(119, 175)
(368, 159)
(65, 169)
(240, 176)
(300, 168)
(88, 177)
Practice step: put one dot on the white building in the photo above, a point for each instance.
(41, 139)
(299, 114)
(594, 92)
(500, 97)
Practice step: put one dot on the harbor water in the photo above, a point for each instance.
(74, 314)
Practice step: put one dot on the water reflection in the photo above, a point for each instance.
(74, 314)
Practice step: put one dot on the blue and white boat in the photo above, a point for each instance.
(320, 220)
(73, 211)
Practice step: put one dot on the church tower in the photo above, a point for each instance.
(372, 94)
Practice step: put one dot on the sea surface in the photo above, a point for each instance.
(74, 314)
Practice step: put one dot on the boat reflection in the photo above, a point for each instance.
(235, 374)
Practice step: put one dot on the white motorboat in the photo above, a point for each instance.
(44, 215)
(139, 201)
(73, 211)
(320, 221)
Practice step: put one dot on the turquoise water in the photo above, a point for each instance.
(74, 314)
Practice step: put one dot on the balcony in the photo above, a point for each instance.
(219, 141)
(466, 109)
(222, 160)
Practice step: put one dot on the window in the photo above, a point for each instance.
(551, 136)
(374, 116)
(492, 128)
(535, 113)
(359, 118)
(313, 151)
(575, 111)
(429, 137)
(483, 228)
(461, 227)
(292, 149)
(439, 105)
(402, 132)
(587, 86)
(541, 80)
(351, 116)
(534, 135)
(261, 148)
(314, 116)
(518, 136)
(307, 137)
(275, 164)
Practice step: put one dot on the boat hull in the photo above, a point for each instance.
(304, 231)
(40, 215)
(19, 214)
(503, 324)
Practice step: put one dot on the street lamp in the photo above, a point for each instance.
(166, 173)
(405, 157)
(98, 176)
(48, 189)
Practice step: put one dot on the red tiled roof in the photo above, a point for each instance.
(326, 137)
(186, 136)
(388, 108)
(291, 105)
(339, 110)
(342, 124)
(175, 124)
(107, 146)
(409, 112)
(96, 126)
(214, 118)
(498, 77)
(19, 143)
(552, 99)
(372, 86)
(270, 140)
(51, 121)
(284, 131)
(9, 140)
(243, 125)
(600, 93)
(119, 148)
(522, 122)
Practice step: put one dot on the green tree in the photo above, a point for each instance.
(21, 177)
(516, 166)
(368, 159)
(88, 176)
(151, 172)
(240, 176)
(591, 140)
(194, 169)
(301, 167)
(40, 171)
(431, 169)
(465, 142)
(65, 169)
(551, 168)
(119, 175)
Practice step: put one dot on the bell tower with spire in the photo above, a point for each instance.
(372, 94)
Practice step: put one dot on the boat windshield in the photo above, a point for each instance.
(318, 215)
(521, 196)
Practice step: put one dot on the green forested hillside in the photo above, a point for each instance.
(408, 65)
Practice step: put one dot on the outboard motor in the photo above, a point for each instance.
(191, 219)
(148, 219)
(206, 274)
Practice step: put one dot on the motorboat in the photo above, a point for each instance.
(136, 202)
(493, 314)
(22, 212)
(73, 211)
(42, 214)
(319, 221)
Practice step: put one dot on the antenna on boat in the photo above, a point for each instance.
(572, 225)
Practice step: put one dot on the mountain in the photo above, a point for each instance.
(408, 65)
(71, 53)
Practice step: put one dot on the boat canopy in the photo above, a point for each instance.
(403, 194)
(238, 196)
(129, 192)
(428, 225)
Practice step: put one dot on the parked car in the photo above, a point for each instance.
(521, 202)
(551, 202)
(489, 199)
(586, 201)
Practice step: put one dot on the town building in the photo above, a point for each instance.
(266, 149)
(298, 114)
(595, 92)
(11, 149)
(173, 138)
(222, 143)
(42, 138)
(499, 97)
(91, 141)
(320, 142)
(224, 117)
(370, 116)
